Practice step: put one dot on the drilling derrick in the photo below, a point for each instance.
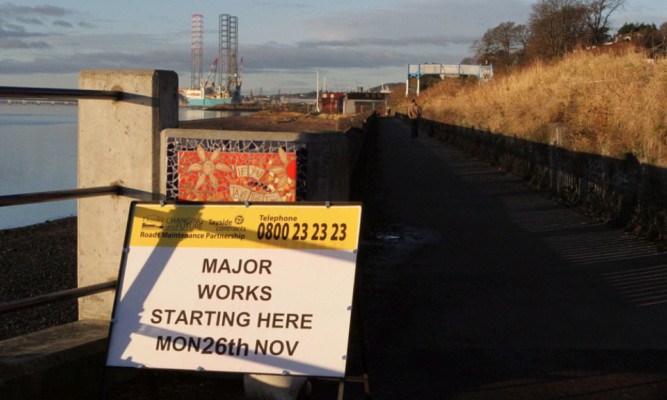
(197, 71)
(228, 56)
(223, 83)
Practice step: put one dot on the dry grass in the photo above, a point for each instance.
(611, 103)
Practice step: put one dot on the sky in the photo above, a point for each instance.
(284, 44)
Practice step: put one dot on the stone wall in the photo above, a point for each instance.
(624, 191)
(326, 163)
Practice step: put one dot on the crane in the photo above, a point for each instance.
(241, 72)
(213, 70)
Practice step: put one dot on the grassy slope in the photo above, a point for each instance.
(611, 103)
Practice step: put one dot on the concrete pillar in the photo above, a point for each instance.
(118, 144)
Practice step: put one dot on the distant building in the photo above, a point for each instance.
(332, 103)
(351, 103)
(362, 102)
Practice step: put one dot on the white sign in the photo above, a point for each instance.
(225, 287)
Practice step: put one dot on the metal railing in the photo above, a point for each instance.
(57, 195)
(40, 197)
(57, 296)
(42, 93)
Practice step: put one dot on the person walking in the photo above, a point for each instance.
(414, 112)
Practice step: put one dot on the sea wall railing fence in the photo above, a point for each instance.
(120, 116)
(58, 195)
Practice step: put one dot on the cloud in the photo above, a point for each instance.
(13, 36)
(19, 24)
(355, 53)
(85, 24)
(343, 42)
(12, 10)
(74, 63)
(257, 58)
(389, 42)
(30, 21)
(13, 43)
(281, 3)
(12, 29)
(39, 16)
(62, 23)
(274, 56)
(425, 18)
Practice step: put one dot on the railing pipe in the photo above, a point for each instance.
(45, 93)
(57, 296)
(40, 197)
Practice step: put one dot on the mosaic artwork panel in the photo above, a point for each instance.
(215, 176)
(229, 170)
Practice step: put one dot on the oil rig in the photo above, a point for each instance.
(222, 85)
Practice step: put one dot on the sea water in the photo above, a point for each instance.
(39, 153)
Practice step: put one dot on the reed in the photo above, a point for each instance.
(612, 103)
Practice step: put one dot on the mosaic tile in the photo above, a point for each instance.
(235, 170)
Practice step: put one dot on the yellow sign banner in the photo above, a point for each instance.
(235, 225)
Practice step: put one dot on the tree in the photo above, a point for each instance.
(523, 33)
(503, 45)
(630, 28)
(597, 19)
(557, 26)
(644, 35)
(469, 61)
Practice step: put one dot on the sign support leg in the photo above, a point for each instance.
(341, 388)
(105, 383)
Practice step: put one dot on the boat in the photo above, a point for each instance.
(207, 97)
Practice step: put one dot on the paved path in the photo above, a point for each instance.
(475, 286)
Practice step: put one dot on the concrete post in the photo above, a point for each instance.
(118, 144)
